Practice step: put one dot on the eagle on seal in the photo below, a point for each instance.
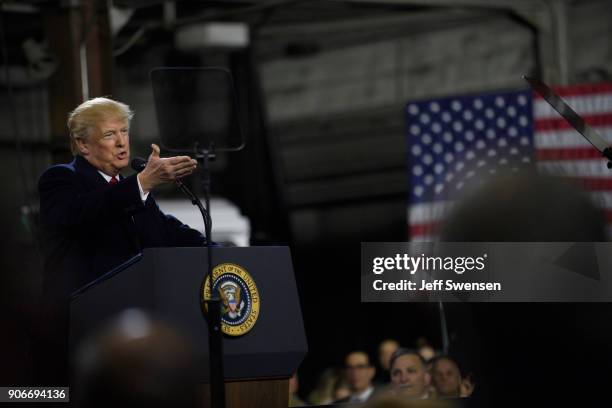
(230, 294)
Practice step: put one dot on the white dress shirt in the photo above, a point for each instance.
(363, 396)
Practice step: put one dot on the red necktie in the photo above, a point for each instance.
(113, 180)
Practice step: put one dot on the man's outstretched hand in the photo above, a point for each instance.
(163, 170)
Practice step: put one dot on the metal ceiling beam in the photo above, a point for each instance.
(548, 17)
(417, 21)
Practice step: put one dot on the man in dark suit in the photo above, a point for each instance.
(359, 375)
(92, 218)
(409, 376)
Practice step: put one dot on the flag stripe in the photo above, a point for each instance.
(593, 183)
(601, 119)
(424, 229)
(577, 153)
(583, 89)
(423, 213)
(568, 138)
(594, 104)
(577, 168)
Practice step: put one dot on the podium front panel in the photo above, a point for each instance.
(167, 283)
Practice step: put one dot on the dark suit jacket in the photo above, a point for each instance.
(89, 226)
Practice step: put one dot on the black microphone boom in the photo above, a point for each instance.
(138, 164)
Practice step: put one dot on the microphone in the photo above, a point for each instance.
(138, 164)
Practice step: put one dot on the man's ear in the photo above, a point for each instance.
(372, 372)
(82, 146)
(427, 378)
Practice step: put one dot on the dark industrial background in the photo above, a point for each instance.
(321, 87)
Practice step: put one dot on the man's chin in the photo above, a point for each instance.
(122, 164)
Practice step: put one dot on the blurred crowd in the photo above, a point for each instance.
(414, 373)
(138, 361)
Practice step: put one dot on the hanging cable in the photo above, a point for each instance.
(444, 329)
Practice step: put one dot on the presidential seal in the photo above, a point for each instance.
(239, 295)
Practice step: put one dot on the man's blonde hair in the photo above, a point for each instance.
(86, 116)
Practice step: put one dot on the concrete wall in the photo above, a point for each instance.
(590, 38)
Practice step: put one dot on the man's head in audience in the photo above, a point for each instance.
(446, 377)
(425, 349)
(525, 208)
(136, 361)
(409, 376)
(385, 351)
(359, 371)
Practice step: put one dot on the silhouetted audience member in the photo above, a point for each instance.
(294, 387)
(467, 386)
(359, 374)
(525, 208)
(342, 389)
(324, 392)
(425, 349)
(532, 208)
(136, 362)
(386, 348)
(446, 377)
(409, 376)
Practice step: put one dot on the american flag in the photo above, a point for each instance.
(455, 142)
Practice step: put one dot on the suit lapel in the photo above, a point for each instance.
(92, 176)
(94, 180)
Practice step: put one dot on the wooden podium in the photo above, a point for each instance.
(166, 282)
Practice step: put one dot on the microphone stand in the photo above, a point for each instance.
(195, 201)
(215, 336)
(443, 328)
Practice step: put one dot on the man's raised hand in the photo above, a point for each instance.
(163, 170)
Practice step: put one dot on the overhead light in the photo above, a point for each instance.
(215, 34)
